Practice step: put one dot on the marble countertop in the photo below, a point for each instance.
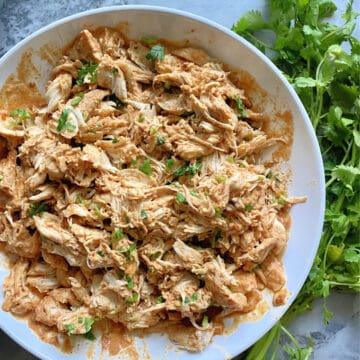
(19, 18)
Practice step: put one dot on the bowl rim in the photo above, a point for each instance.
(266, 60)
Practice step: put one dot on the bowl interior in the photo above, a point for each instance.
(305, 161)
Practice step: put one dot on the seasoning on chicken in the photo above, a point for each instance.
(138, 194)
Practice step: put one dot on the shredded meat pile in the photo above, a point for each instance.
(138, 194)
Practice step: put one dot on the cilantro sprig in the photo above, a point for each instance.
(87, 71)
(157, 52)
(309, 51)
(63, 123)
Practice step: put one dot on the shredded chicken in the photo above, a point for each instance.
(138, 194)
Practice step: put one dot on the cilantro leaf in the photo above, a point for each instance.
(145, 167)
(63, 123)
(87, 72)
(38, 208)
(157, 52)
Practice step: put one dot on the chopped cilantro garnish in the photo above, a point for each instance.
(38, 208)
(141, 118)
(157, 52)
(76, 100)
(205, 321)
(70, 329)
(186, 300)
(88, 322)
(117, 235)
(143, 214)
(114, 140)
(169, 163)
(133, 162)
(114, 70)
(128, 251)
(153, 131)
(90, 336)
(63, 123)
(100, 253)
(159, 299)
(194, 297)
(240, 106)
(89, 72)
(221, 178)
(130, 283)
(180, 198)
(194, 192)
(160, 140)
(167, 85)
(155, 255)
(20, 113)
(188, 170)
(249, 207)
(145, 167)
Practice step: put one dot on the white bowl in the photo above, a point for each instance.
(305, 162)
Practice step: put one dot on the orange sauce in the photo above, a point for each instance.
(20, 90)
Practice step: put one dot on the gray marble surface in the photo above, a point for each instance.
(19, 18)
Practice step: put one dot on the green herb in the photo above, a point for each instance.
(155, 255)
(114, 140)
(98, 211)
(167, 85)
(141, 118)
(1, 177)
(143, 214)
(76, 100)
(153, 131)
(63, 123)
(230, 159)
(188, 170)
(169, 163)
(309, 51)
(180, 198)
(194, 297)
(157, 52)
(128, 251)
(159, 299)
(88, 70)
(70, 329)
(221, 178)
(130, 283)
(240, 106)
(149, 40)
(88, 322)
(20, 113)
(160, 140)
(100, 253)
(186, 301)
(38, 208)
(194, 192)
(89, 336)
(114, 70)
(145, 167)
(117, 235)
(205, 321)
(249, 207)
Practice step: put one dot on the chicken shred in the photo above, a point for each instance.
(138, 194)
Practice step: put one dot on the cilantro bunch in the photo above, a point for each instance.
(322, 62)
